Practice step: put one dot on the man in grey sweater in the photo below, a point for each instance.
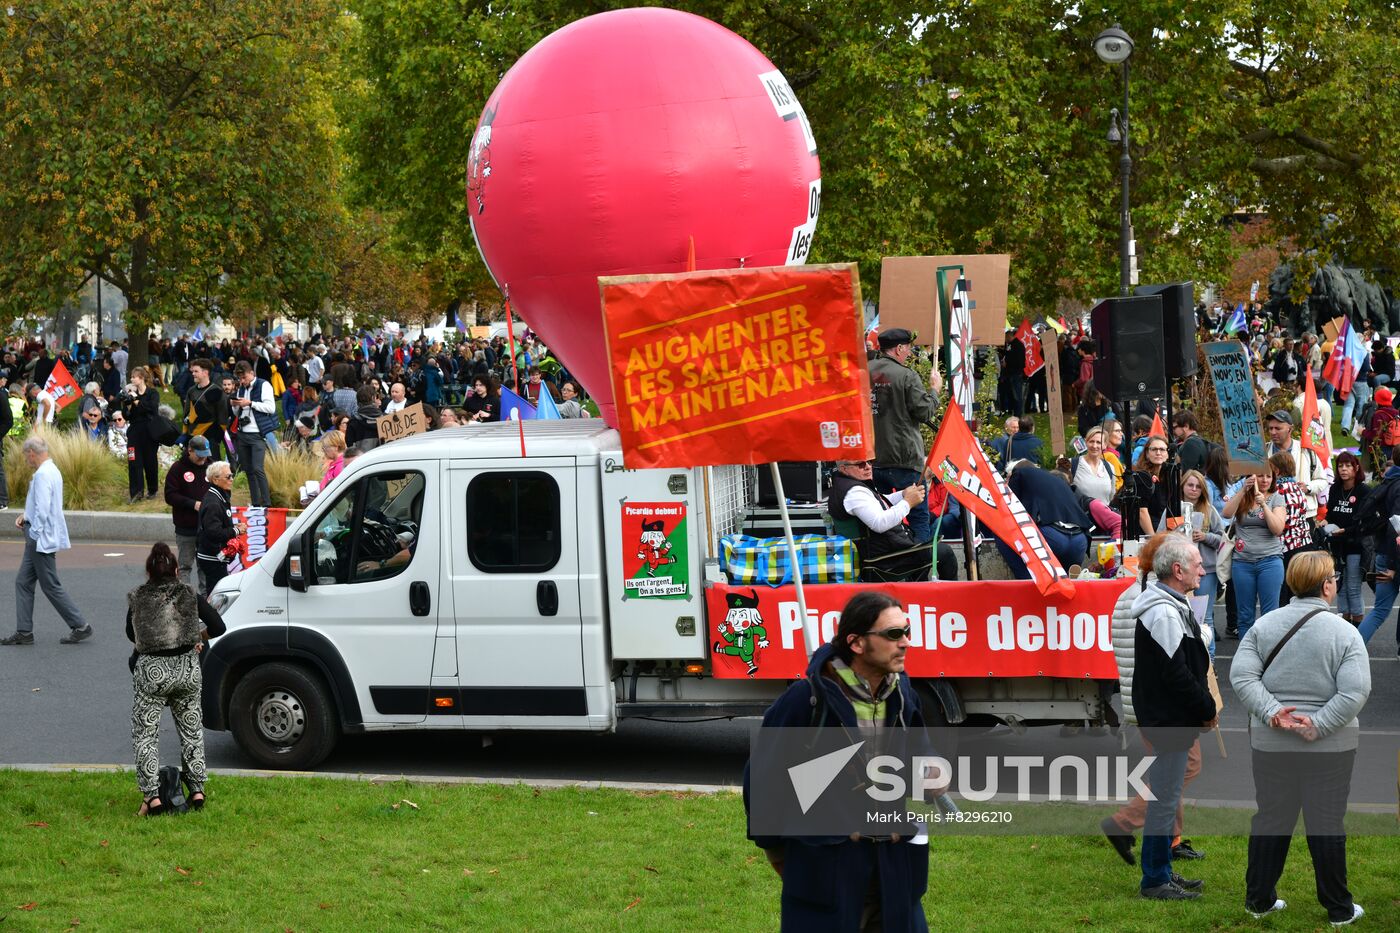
(1303, 697)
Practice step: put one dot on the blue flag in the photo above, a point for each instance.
(457, 321)
(276, 331)
(546, 410)
(198, 334)
(515, 407)
(1237, 323)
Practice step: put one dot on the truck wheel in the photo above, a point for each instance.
(283, 715)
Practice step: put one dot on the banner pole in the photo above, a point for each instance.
(811, 636)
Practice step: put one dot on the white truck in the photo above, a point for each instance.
(445, 581)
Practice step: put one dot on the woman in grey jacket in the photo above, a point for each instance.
(1303, 694)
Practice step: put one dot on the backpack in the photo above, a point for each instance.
(172, 791)
(1389, 434)
(1373, 512)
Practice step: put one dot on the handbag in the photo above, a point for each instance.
(164, 430)
(1225, 556)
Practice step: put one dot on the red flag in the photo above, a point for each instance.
(1035, 359)
(1315, 435)
(958, 461)
(62, 386)
(1157, 429)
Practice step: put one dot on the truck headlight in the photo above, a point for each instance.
(223, 600)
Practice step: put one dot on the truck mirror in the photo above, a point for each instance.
(299, 565)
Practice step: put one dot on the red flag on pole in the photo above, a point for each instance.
(1035, 359)
(62, 387)
(1158, 430)
(1315, 435)
(958, 461)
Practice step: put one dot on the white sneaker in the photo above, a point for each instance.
(1356, 914)
(1279, 904)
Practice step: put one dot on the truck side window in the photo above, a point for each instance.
(513, 522)
(371, 532)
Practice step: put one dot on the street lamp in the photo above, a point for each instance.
(1114, 47)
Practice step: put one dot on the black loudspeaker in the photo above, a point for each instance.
(1131, 362)
(802, 482)
(1178, 325)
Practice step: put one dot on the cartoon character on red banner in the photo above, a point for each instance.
(742, 630)
(654, 550)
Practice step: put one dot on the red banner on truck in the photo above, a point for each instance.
(978, 629)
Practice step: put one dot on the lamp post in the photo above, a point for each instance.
(1114, 47)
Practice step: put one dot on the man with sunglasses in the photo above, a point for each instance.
(856, 682)
(875, 521)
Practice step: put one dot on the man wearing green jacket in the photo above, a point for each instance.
(900, 402)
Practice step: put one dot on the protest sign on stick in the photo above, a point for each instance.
(1051, 348)
(402, 423)
(1239, 407)
(909, 295)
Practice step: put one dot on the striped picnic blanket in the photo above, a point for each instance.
(753, 561)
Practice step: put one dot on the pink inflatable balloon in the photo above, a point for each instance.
(615, 141)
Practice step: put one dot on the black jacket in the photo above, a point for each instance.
(1049, 500)
(185, 488)
(363, 425)
(215, 523)
(1170, 661)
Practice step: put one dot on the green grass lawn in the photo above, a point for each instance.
(323, 854)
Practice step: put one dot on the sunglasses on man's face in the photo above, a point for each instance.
(894, 634)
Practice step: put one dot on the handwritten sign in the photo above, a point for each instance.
(739, 366)
(1239, 407)
(404, 423)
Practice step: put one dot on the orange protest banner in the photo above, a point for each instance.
(739, 366)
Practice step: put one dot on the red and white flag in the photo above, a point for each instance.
(1348, 355)
(958, 461)
(1035, 359)
(1315, 435)
(62, 387)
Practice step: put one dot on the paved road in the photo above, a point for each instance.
(71, 704)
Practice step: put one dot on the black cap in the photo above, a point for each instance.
(894, 337)
(1280, 415)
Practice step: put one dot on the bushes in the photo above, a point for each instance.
(89, 470)
(286, 471)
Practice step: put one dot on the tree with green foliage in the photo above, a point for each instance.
(947, 126)
(184, 153)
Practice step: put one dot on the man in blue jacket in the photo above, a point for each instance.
(1171, 700)
(855, 682)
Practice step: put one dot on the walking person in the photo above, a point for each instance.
(46, 533)
(256, 412)
(185, 486)
(216, 526)
(1304, 675)
(140, 404)
(1172, 702)
(168, 624)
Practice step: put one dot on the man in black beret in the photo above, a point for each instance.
(900, 402)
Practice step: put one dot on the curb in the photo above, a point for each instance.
(633, 786)
(134, 527)
(367, 778)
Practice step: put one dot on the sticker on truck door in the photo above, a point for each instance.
(655, 556)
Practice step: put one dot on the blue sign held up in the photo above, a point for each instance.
(1239, 406)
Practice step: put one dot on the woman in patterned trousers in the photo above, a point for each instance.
(164, 619)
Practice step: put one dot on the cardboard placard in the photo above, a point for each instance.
(1049, 342)
(739, 366)
(1332, 328)
(404, 423)
(479, 331)
(909, 295)
(1239, 407)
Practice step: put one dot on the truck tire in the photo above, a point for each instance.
(283, 716)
